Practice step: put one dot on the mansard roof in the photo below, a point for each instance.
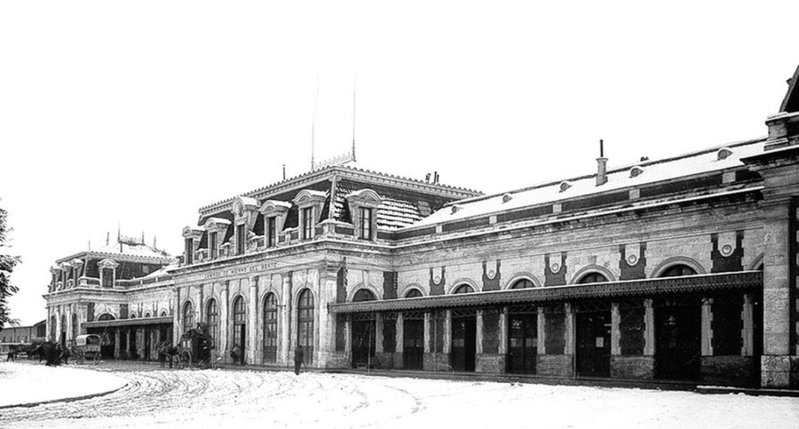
(329, 175)
(618, 179)
(791, 101)
(124, 249)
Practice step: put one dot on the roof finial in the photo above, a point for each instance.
(155, 239)
(284, 171)
(354, 99)
(313, 124)
(107, 238)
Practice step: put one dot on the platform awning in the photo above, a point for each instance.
(620, 289)
(142, 321)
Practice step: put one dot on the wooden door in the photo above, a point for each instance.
(463, 350)
(413, 344)
(522, 343)
(593, 344)
(678, 346)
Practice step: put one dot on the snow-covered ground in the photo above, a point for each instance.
(24, 383)
(219, 398)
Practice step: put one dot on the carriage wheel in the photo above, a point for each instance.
(185, 358)
(176, 361)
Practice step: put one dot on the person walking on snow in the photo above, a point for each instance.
(298, 358)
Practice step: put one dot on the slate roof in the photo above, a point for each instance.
(618, 178)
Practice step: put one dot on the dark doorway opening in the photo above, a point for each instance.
(413, 344)
(147, 343)
(134, 354)
(593, 344)
(678, 347)
(240, 333)
(522, 343)
(363, 343)
(464, 344)
(123, 344)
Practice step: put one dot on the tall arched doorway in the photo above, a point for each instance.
(678, 332)
(63, 338)
(522, 334)
(240, 327)
(363, 332)
(270, 329)
(212, 319)
(305, 325)
(463, 349)
(74, 326)
(593, 326)
(53, 328)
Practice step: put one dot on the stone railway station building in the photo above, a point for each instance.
(675, 269)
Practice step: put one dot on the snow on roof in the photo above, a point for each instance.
(648, 172)
(132, 249)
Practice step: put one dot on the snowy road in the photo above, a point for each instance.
(199, 399)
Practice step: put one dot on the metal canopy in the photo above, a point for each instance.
(628, 288)
(128, 322)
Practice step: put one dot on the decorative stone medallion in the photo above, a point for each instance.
(555, 267)
(726, 250)
(632, 259)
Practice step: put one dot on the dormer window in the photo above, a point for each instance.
(241, 238)
(274, 213)
(107, 272)
(364, 205)
(215, 226)
(310, 204)
(189, 251)
(365, 224)
(271, 231)
(212, 244)
(307, 223)
(191, 238)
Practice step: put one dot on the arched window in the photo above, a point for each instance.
(305, 327)
(678, 271)
(522, 284)
(270, 328)
(163, 313)
(593, 278)
(147, 314)
(52, 328)
(363, 295)
(133, 315)
(188, 316)
(413, 293)
(212, 319)
(74, 325)
(105, 316)
(239, 320)
(464, 289)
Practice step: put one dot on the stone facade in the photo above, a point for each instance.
(677, 269)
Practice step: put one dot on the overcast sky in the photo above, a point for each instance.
(137, 113)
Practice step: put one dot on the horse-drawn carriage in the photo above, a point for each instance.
(194, 348)
(88, 347)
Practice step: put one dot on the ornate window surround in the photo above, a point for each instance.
(219, 226)
(108, 264)
(245, 211)
(193, 234)
(310, 199)
(364, 199)
(274, 209)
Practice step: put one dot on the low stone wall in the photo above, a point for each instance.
(729, 370)
(490, 363)
(556, 365)
(634, 367)
(384, 360)
(436, 362)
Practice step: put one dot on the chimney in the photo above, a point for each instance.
(602, 165)
(435, 177)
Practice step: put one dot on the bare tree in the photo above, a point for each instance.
(7, 263)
